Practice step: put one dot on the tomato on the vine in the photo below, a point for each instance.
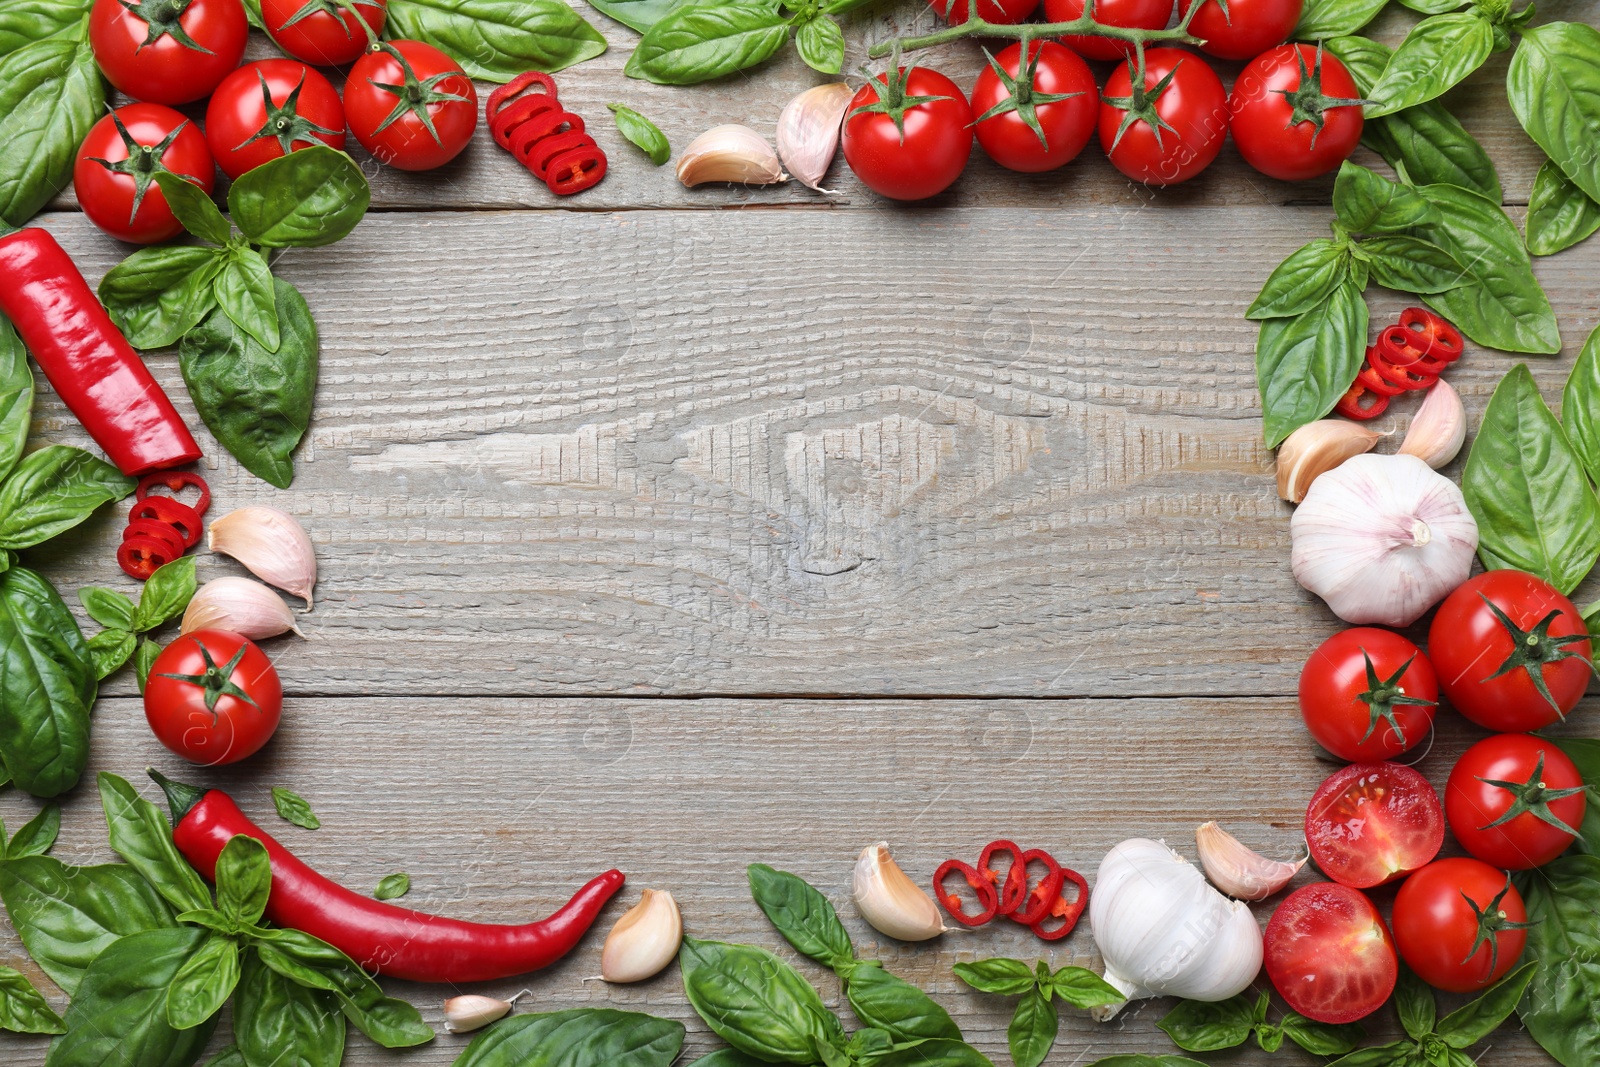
(908, 133)
(1371, 823)
(1512, 653)
(167, 51)
(1004, 12)
(213, 697)
(1368, 694)
(410, 105)
(1245, 28)
(268, 109)
(114, 174)
(1129, 14)
(1040, 119)
(1460, 924)
(1295, 112)
(1515, 800)
(1329, 954)
(1171, 124)
(325, 32)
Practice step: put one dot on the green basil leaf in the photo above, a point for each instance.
(166, 594)
(635, 14)
(496, 40)
(231, 1056)
(156, 295)
(576, 1038)
(50, 94)
(997, 975)
(1082, 988)
(244, 878)
(107, 606)
(802, 915)
(305, 199)
(245, 292)
(117, 1015)
(1397, 1054)
(1563, 898)
(256, 403)
(293, 808)
(1201, 1027)
(1306, 363)
(1580, 406)
(1436, 55)
(140, 834)
(727, 1057)
(109, 650)
(756, 1002)
(1482, 1016)
(204, 983)
(1300, 282)
(278, 1023)
(47, 685)
(1032, 1032)
(642, 133)
(16, 397)
(37, 835)
(193, 206)
(887, 1002)
(23, 1010)
(1321, 1039)
(1554, 88)
(144, 657)
(1414, 1003)
(1434, 7)
(1411, 265)
(1559, 213)
(52, 490)
(839, 7)
(1137, 1060)
(67, 916)
(820, 43)
(1366, 202)
(934, 1052)
(24, 21)
(315, 964)
(1321, 19)
(391, 886)
(707, 39)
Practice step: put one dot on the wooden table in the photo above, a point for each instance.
(683, 529)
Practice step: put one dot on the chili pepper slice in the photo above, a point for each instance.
(140, 556)
(988, 899)
(513, 120)
(1015, 883)
(577, 170)
(1374, 380)
(1443, 340)
(541, 154)
(1399, 348)
(522, 83)
(546, 123)
(1417, 376)
(1066, 910)
(1350, 407)
(177, 482)
(179, 516)
(1038, 903)
(161, 531)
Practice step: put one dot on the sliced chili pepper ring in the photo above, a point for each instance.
(141, 556)
(577, 170)
(159, 530)
(1350, 407)
(1443, 339)
(516, 87)
(1038, 901)
(1015, 883)
(177, 482)
(179, 516)
(988, 899)
(541, 154)
(1068, 911)
(518, 115)
(1396, 346)
(1394, 376)
(1375, 382)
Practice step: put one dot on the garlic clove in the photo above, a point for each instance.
(272, 546)
(1315, 449)
(1438, 428)
(730, 154)
(238, 605)
(890, 901)
(644, 940)
(1237, 870)
(808, 132)
(465, 1014)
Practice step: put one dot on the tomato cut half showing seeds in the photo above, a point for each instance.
(1329, 953)
(1371, 823)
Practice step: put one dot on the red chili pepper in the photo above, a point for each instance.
(141, 556)
(177, 482)
(166, 533)
(543, 136)
(1066, 910)
(1371, 377)
(181, 517)
(543, 153)
(576, 170)
(1443, 341)
(1038, 902)
(1350, 407)
(89, 363)
(1014, 885)
(515, 131)
(393, 941)
(514, 89)
(988, 899)
(1404, 351)
(1395, 376)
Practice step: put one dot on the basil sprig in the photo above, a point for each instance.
(1195, 1026)
(165, 595)
(701, 40)
(1034, 1024)
(1442, 1041)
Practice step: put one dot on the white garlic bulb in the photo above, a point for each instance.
(1164, 932)
(1382, 539)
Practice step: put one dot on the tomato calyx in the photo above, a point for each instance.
(1140, 103)
(890, 90)
(1491, 921)
(1382, 694)
(161, 19)
(284, 123)
(1533, 797)
(329, 7)
(414, 96)
(143, 162)
(1022, 95)
(1307, 103)
(1532, 649)
(217, 682)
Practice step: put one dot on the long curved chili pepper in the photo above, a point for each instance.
(1061, 908)
(89, 363)
(1036, 904)
(988, 899)
(1014, 884)
(393, 941)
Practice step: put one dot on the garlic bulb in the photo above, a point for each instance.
(1316, 448)
(1164, 932)
(889, 900)
(465, 1014)
(239, 605)
(1382, 539)
(808, 131)
(644, 940)
(1438, 428)
(730, 154)
(1240, 871)
(272, 546)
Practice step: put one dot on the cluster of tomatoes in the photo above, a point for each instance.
(1408, 356)
(1161, 118)
(162, 528)
(1512, 655)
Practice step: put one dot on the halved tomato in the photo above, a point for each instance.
(1329, 954)
(1371, 823)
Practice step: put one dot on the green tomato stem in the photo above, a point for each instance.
(1084, 25)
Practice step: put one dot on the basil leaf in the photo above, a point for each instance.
(1436, 55)
(117, 1014)
(1482, 1016)
(756, 1002)
(820, 43)
(1528, 491)
(1563, 898)
(109, 650)
(496, 40)
(193, 207)
(889, 1003)
(278, 1023)
(1586, 754)
(24, 21)
(1082, 988)
(1554, 88)
(1321, 19)
(107, 606)
(727, 1057)
(1201, 1027)
(1032, 1032)
(997, 975)
(231, 1056)
(311, 197)
(1434, 7)
(1321, 1039)
(16, 397)
(635, 14)
(1300, 282)
(204, 983)
(50, 94)
(1410, 265)
(1136, 1060)
(37, 835)
(1398, 1054)
(706, 39)
(1306, 363)
(157, 295)
(642, 133)
(244, 878)
(140, 835)
(256, 403)
(166, 594)
(245, 292)
(802, 915)
(315, 964)
(576, 1038)
(47, 685)
(52, 490)
(935, 1052)
(1369, 203)
(144, 657)
(67, 916)
(293, 808)
(1580, 406)
(1559, 213)
(1414, 1003)
(391, 886)
(22, 1009)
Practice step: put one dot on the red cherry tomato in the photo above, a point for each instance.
(1368, 695)
(1295, 112)
(1183, 96)
(268, 109)
(213, 697)
(394, 127)
(1004, 12)
(1329, 954)
(1246, 29)
(114, 175)
(322, 31)
(1060, 96)
(1515, 801)
(1460, 924)
(1130, 14)
(167, 51)
(1371, 823)
(929, 156)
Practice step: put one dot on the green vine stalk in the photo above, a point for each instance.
(1084, 25)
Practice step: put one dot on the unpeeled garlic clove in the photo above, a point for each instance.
(890, 901)
(730, 154)
(239, 605)
(272, 546)
(1438, 428)
(808, 131)
(1237, 870)
(1315, 449)
(644, 940)
(472, 1012)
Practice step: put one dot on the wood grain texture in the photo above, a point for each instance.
(498, 808)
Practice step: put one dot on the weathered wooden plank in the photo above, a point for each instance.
(497, 808)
